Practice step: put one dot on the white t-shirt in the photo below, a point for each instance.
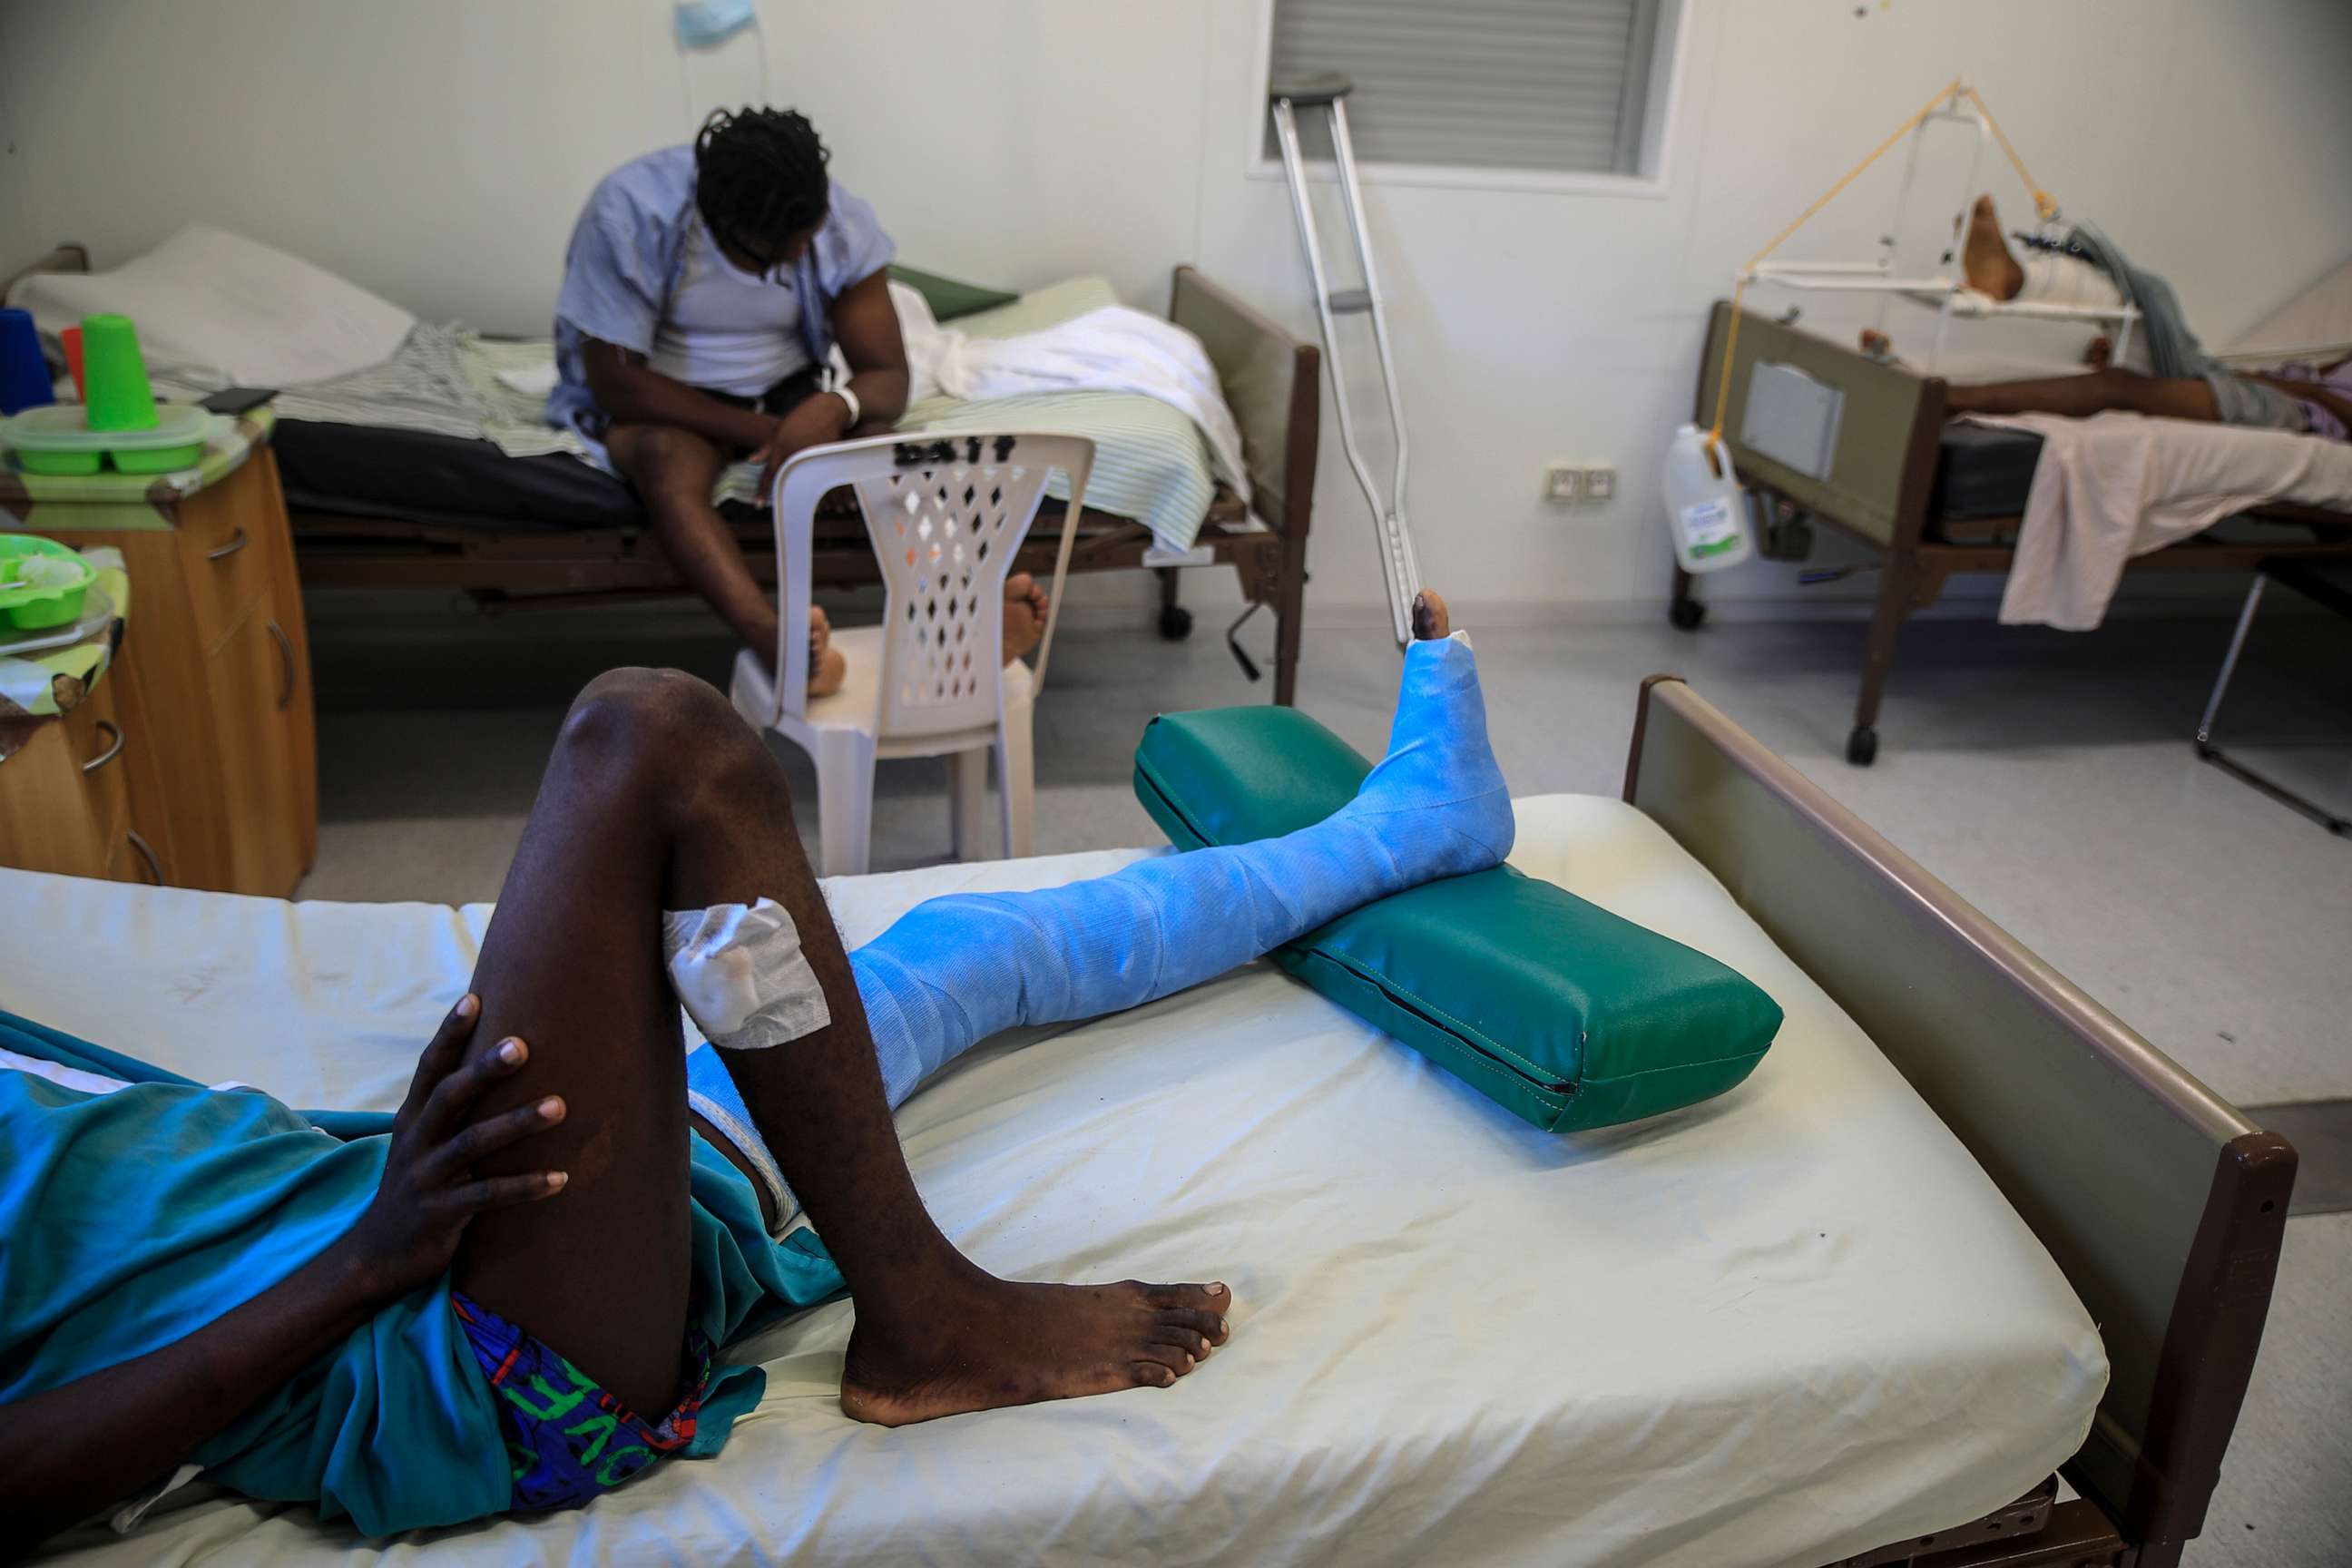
(725, 330)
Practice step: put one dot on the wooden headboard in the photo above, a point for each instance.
(1273, 382)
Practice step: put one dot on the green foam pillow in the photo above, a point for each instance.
(1556, 1009)
(949, 297)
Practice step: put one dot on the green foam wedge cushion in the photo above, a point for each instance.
(1554, 1008)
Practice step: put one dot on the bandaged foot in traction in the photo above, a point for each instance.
(957, 969)
(741, 974)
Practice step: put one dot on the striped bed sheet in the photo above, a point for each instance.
(1151, 463)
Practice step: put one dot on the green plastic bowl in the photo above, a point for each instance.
(33, 609)
(159, 460)
(33, 462)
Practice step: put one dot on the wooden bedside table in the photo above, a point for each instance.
(209, 692)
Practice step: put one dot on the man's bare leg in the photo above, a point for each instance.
(2096, 392)
(1990, 269)
(659, 798)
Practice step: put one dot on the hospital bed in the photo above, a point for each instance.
(1959, 1230)
(1932, 498)
(379, 507)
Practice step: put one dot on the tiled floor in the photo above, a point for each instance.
(2048, 777)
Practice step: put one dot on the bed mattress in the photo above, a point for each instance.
(1790, 1324)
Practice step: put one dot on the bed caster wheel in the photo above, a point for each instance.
(1175, 624)
(1862, 746)
(1686, 615)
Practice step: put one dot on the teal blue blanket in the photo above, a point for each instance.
(133, 1218)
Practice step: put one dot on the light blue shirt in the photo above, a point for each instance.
(627, 257)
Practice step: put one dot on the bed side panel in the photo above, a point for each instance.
(1864, 488)
(1269, 380)
(2100, 1142)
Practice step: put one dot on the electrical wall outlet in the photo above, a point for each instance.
(1563, 484)
(1599, 481)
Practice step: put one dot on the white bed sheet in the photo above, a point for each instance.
(1779, 1328)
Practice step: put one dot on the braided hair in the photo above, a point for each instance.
(760, 179)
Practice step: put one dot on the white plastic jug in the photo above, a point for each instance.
(1706, 512)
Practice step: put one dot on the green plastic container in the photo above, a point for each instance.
(29, 608)
(157, 460)
(113, 376)
(33, 462)
(59, 439)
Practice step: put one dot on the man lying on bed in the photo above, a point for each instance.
(2184, 384)
(511, 1301)
(703, 291)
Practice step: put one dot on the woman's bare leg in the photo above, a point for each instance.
(659, 797)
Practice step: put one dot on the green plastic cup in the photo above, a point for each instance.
(114, 378)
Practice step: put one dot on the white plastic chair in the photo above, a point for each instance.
(947, 513)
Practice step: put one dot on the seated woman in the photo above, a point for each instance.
(2184, 382)
(512, 1300)
(704, 292)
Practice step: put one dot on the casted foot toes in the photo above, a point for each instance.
(1431, 620)
(986, 1343)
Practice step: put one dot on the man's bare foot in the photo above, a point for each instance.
(1985, 258)
(827, 668)
(2098, 352)
(979, 1344)
(1431, 620)
(1024, 614)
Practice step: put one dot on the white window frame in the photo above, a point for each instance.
(1672, 39)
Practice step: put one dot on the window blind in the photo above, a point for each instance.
(1497, 84)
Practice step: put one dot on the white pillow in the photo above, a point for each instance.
(215, 309)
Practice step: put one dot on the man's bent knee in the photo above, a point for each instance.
(655, 714)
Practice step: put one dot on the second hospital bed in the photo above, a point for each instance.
(1960, 1229)
(380, 508)
(1935, 497)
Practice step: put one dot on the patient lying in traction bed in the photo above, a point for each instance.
(2183, 383)
(510, 1298)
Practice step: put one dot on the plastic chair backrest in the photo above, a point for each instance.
(947, 513)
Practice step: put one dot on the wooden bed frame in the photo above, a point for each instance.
(1271, 381)
(1881, 479)
(2161, 1203)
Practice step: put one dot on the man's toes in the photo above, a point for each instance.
(1192, 1344)
(1176, 1358)
(1153, 1374)
(1198, 1298)
(1431, 620)
(1208, 1324)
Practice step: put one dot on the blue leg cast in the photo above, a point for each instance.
(957, 969)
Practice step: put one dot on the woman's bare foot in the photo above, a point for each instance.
(1024, 614)
(827, 668)
(1431, 620)
(976, 1342)
(1985, 258)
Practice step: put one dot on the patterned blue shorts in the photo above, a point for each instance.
(567, 1439)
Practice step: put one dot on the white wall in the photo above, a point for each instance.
(437, 151)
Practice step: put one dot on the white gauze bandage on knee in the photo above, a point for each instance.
(741, 976)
